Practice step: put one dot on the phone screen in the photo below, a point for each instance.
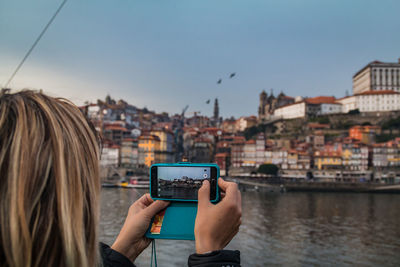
(182, 182)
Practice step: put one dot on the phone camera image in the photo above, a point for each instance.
(181, 182)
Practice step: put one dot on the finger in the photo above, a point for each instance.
(230, 188)
(204, 194)
(222, 194)
(155, 208)
(146, 200)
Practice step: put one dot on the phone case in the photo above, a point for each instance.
(178, 222)
(191, 164)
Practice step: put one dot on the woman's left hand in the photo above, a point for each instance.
(131, 240)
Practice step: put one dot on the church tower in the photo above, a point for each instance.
(216, 112)
(263, 102)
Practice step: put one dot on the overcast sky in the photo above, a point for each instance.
(167, 54)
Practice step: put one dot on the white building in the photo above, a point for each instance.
(249, 153)
(371, 101)
(313, 106)
(330, 108)
(377, 76)
(291, 111)
(110, 156)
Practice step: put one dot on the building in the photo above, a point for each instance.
(317, 140)
(149, 146)
(297, 160)
(371, 101)
(260, 149)
(110, 155)
(166, 148)
(223, 161)
(377, 76)
(291, 111)
(116, 133)
(129, 153)
(366, 134)
(323, 105)
(277, 156)
(202, 150)
(249, 154)
(355, 156)
(237, 153)
(228, 126)
(386, 155)
(325, 160)
(268, 104)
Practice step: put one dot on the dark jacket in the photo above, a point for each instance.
(112, 258)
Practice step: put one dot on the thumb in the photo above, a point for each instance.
(155, 208)
(204, 194)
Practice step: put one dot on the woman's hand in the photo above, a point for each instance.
(131, 240)
(216, 225)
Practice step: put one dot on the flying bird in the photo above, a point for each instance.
(232, 75)
(219, 81)
(208, 101)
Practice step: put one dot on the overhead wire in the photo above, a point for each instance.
(35, 43)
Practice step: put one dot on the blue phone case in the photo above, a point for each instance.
(178, 222)
(180, 215)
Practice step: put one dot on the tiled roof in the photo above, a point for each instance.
(321, 100)
(379, 92)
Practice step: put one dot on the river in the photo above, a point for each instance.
(290, 229)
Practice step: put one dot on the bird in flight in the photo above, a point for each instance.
(232, 75)
(219, 81)
(208, 101)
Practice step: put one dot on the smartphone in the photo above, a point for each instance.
(181, 181)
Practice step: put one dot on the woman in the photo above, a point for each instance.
(50, 189)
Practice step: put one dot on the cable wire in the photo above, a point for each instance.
(35, 43)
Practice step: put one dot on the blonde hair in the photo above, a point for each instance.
(49, 182)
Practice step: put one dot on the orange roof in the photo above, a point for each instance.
(380, 92)
(251, 142)
(116, 128)
(321, 100)
(111, 146)
(222, 155)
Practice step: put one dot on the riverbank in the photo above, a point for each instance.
(280, 185)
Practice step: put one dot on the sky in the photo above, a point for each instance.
(166, 54)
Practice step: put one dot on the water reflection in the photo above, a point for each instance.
(288, 229)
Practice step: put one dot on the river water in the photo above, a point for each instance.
(290, 229)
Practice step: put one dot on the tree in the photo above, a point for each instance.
(268, 169)
(354, 111)
(250, 132)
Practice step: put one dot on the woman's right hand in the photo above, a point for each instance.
(216, 225)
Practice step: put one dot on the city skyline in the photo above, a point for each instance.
(168, 55)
